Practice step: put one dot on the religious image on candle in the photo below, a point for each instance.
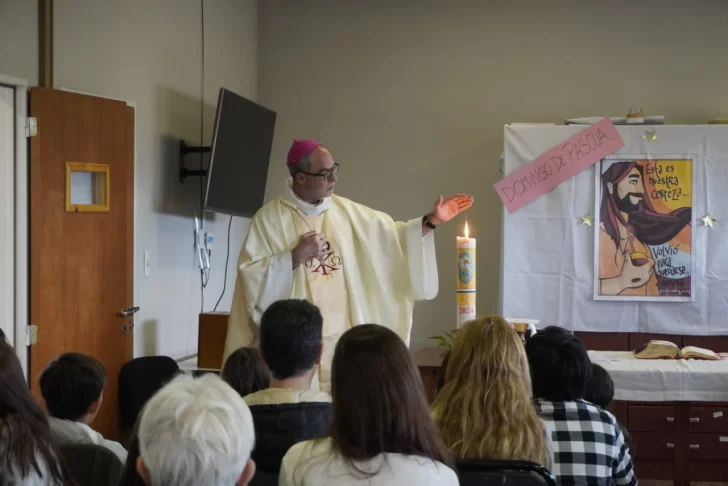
(466, 278)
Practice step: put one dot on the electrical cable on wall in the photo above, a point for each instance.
(227, 259)
(204, 273)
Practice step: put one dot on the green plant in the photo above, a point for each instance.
(445, 340)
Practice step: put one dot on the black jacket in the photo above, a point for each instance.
(279, 426)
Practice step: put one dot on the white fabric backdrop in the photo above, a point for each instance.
(547, 254)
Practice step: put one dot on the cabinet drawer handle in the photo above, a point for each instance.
(694, 446)
(670, 445)
(670, 419)
(694, 420)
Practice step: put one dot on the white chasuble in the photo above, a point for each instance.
(326, 285)
(375, 270)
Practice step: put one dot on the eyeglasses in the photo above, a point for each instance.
(324, 174)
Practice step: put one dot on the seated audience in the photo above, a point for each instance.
(72, 386)
(589, 446)
(288, 411)
(381, 431)
(130, 475)
(600, 391)
(139, 380)
(28, 454)
(245, 372)
(195, 432)
(484, 410)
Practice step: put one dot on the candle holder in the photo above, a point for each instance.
(524, 327)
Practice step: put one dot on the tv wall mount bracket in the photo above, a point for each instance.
(185, 150)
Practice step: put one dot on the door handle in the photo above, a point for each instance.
(694, 420)
(128, 312)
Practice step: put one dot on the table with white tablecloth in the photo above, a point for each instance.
(662, 380)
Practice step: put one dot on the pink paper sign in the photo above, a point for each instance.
(558, 164)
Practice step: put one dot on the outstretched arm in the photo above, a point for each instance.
(446, 209)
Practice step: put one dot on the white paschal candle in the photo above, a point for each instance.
(466, 278)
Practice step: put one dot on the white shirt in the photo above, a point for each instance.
(68, 432)
(12, 476)
(276, 396)
(314, 462)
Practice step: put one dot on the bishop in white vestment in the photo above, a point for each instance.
(356, 264)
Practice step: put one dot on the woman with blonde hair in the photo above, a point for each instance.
(484, 410)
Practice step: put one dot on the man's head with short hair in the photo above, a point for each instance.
(291, 338)
(72, 386)
(600, 390)
(560, 366)
(194, 432)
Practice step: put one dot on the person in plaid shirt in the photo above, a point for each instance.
(589, 446)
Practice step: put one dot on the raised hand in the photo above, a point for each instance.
(446, 209)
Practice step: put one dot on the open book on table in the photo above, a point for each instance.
(668, 350)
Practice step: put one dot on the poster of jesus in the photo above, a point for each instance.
(644, 229)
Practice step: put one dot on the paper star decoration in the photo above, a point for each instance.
(587, 220)
(650, 136)
(708, 220)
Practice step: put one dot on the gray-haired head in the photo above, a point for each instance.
(196, 431)
(303, 165)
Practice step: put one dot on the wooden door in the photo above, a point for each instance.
(81, 263)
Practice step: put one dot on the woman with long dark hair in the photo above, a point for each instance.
(381, 431)
(28, 455)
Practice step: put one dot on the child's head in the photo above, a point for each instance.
(245, 372)
(291, 338)
(560, 365)
(72, 386)
(600, 390)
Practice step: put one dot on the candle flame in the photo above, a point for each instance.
(467, 233)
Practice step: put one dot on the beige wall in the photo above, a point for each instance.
(411, 97)
(19, 39)
(149, 52)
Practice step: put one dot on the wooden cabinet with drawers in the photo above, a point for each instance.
(655, 437)
(707, 442)
(682, 442)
